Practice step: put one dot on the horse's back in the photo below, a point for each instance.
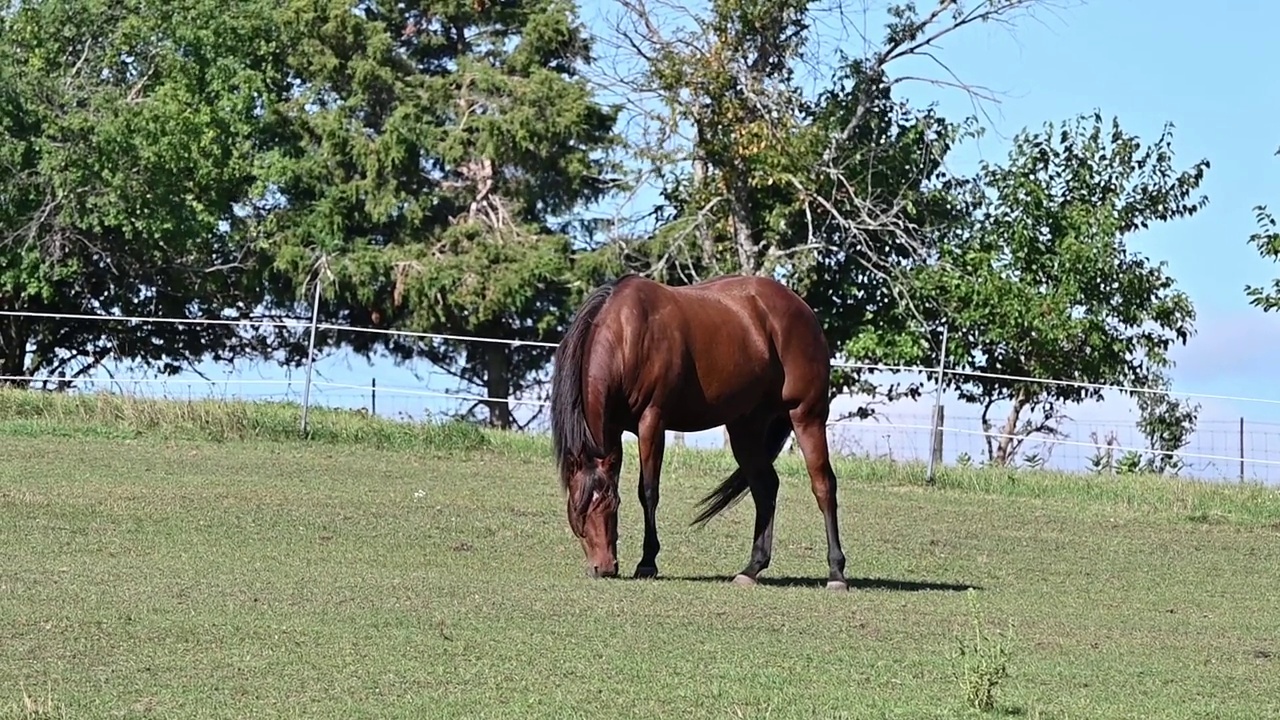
(717, 348)
(776, 309)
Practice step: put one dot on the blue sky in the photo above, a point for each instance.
(1201, 67)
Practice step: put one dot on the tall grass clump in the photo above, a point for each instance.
(982, 662)
(26, 412)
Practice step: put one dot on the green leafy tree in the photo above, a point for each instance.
(1167, 423)
(776, 157)
(128, 134)
(1040, 282)
(859, 280)
(436, 155)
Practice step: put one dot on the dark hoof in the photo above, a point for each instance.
(837, 585)
(645, 573)
(744, 580)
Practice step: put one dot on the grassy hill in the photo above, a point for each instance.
(196, 560)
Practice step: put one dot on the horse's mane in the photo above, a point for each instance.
(569, 432)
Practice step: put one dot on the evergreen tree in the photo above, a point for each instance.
(434, 156)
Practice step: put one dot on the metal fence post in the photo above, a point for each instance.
(1241, 448)
(311, 355)
(935, 437)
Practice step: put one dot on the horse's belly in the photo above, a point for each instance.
(704, 400)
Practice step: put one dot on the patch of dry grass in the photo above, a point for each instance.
(117, 415)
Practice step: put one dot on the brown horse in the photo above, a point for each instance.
(743, 352)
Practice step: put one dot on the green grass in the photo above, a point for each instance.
(197, 560)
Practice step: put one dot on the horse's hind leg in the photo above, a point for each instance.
(811, 436)
(755, 444)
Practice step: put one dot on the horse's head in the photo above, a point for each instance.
(592, 505)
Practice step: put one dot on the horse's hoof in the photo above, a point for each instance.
(837, 585)
(645, 573)
(743, 580)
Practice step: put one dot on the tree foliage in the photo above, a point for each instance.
(127, 136)
(839, 189)
(844, 192)
(434, 154)
(1040, 283)
(429, 163)
(1266, 240)
(896, 181)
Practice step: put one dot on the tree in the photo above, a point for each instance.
(1266, 240)
(128, 134)
(896, 184)
(839, 190)
(1040, 282)
(1167, 424)
(436, 155)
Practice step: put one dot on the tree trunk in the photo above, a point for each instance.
(13, 350)
(499, 387)
(744, 236)
(1007, 444)
(706, 240)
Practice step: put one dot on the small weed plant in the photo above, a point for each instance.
(983, 662)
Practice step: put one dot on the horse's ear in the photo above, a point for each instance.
(608, 464)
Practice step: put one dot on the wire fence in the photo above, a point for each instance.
(1096, 437)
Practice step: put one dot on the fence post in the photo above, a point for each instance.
(935, 445)
(1241, 448)
(311, 355)
(373, 397)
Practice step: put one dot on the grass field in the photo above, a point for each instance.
(195, 561)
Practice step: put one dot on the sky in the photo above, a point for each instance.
(1202, 67)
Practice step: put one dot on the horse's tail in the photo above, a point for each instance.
(569, 432)
(728, 493)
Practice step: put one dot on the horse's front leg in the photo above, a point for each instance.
(652, 446)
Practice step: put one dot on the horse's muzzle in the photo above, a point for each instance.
(608, 571)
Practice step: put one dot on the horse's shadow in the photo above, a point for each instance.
(887, 584)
